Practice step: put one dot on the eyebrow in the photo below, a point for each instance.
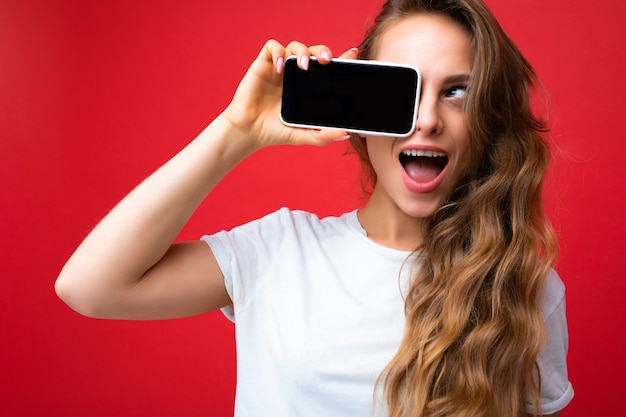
(457, 78)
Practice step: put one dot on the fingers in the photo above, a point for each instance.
(273, 56)
(276, 52)
(352, 53)
(322, 53)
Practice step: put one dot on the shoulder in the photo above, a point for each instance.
(303, 222)
(285, 223)
(553, 294)
(283, 218)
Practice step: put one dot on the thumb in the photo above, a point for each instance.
(317, 137)
(326, 136)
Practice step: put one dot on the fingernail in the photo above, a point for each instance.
(326, 55)
(304, 62)
(341, 138)
(280, 63)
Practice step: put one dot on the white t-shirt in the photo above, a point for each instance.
(319, 312)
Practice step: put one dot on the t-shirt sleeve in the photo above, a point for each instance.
(556, 389)
(243, 254)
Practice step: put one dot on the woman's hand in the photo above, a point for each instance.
(128, 267)
(255, 108)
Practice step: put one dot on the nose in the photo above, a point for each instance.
(428, 115)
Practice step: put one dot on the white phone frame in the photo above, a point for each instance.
(359, 131)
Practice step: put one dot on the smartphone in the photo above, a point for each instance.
(364, 97)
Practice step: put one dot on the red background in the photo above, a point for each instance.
(95, 95)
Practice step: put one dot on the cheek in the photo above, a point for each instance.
(376, 153)
(463, 150)
(466, 160)
(461, 137)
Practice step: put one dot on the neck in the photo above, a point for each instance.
(386, 224)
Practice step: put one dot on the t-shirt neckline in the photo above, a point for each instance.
(355, 225)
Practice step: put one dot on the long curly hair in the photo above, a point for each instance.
(474, 326)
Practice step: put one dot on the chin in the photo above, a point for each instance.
(421, 211)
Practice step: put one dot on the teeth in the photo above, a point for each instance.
(419, 152)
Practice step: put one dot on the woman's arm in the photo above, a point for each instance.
(128, 266)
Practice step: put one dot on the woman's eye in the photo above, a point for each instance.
(457, 92)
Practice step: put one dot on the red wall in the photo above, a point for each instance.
(96, 95)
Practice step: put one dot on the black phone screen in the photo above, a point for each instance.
(357, 96)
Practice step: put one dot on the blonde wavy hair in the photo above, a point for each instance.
(474, 325)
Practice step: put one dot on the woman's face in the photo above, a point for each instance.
(416, 174)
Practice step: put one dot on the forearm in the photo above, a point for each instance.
(152, 215)
(127, 266)
(136, 234)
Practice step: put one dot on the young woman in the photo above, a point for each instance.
(437, 298)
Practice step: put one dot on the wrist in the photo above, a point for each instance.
(233, 142)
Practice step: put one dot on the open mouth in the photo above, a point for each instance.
(423, 165)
